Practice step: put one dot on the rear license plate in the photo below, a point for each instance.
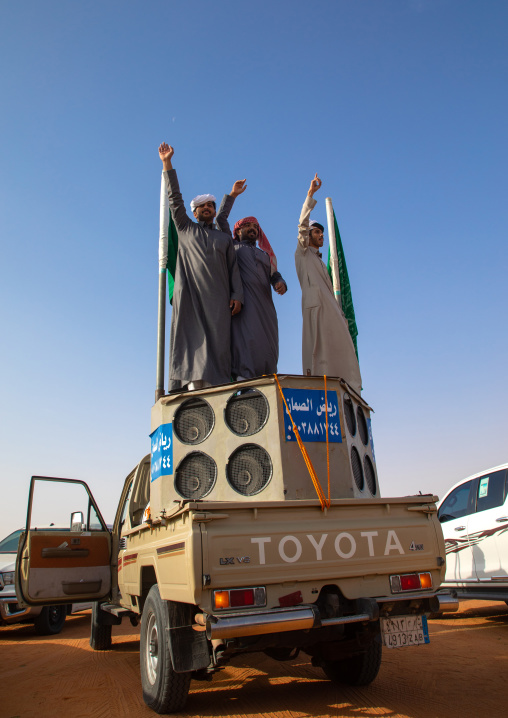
(402, 631)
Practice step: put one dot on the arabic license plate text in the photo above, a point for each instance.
(402, 631)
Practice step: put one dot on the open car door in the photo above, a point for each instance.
(64, 555)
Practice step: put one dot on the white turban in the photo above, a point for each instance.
(201, 199)
(313, 223)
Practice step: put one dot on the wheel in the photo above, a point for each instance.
(50, 620)
(100, 636)
(357, 670)
(164, 691)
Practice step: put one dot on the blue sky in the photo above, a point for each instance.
(400, 106)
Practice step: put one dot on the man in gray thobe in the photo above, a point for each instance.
(254, 332)
(208, 288)
(327, 347)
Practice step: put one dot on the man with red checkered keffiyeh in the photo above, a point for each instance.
(255, 337)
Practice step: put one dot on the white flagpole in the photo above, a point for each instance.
(163, 258)
(334, 260)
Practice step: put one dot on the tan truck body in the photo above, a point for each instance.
(294, 572)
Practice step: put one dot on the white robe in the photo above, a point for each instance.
(327, 347)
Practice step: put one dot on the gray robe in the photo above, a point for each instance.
(254, 332)
(327, 347)
(206, 279)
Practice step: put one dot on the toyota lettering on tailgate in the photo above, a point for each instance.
(328, 546)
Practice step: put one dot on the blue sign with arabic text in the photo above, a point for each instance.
(308, 409)
(161, 462)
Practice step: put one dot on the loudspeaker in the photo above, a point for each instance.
(236, 442)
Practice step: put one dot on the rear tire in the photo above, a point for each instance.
(164, 691)
(50, 620)
(100, 636)
(357, 670)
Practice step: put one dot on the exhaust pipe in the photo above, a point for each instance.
(447, 602)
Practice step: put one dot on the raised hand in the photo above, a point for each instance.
(238, 187)
(166, 152)
(314, 185)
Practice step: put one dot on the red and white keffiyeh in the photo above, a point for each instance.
(263, 242)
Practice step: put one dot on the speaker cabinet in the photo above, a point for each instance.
(236, 442)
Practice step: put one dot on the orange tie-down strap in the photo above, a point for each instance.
(325, 502)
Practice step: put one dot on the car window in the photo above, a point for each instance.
(457, 504)
(10, 543)
(126, 505)
(491, 491)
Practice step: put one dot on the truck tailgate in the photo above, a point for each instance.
(355, 544)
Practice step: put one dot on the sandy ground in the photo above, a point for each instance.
(462, 673)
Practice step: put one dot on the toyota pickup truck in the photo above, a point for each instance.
(254, 524)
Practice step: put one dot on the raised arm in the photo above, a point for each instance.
(308, 206)
(226, 205)
(175, 199)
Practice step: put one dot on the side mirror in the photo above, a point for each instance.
(77, 522)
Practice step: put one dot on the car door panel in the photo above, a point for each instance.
(453, 514)
(68, 563)
(488, 527)
(59, 567)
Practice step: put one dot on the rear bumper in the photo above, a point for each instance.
(307, 617)
(12, 612)
(479, 591)
(279, 620)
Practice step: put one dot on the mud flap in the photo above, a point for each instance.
(189, 648)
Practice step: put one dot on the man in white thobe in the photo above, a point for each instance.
(327, 347)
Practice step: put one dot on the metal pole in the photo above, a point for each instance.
(163, 258)
(161, 335)
(334, 260)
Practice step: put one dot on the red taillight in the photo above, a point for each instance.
(410, 582)
(241, 597)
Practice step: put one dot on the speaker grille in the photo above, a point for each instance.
(362, 426)
(356, 465)
(249, 469)
(193, 421)
(246, 412)
(195, 475)
(349, 412)
(370, 475)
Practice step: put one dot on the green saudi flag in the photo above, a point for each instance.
(345, 287)
(172, 255)
(168, 241)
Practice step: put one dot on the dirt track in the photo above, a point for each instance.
(461, 674)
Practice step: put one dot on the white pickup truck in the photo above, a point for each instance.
(235, 535)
